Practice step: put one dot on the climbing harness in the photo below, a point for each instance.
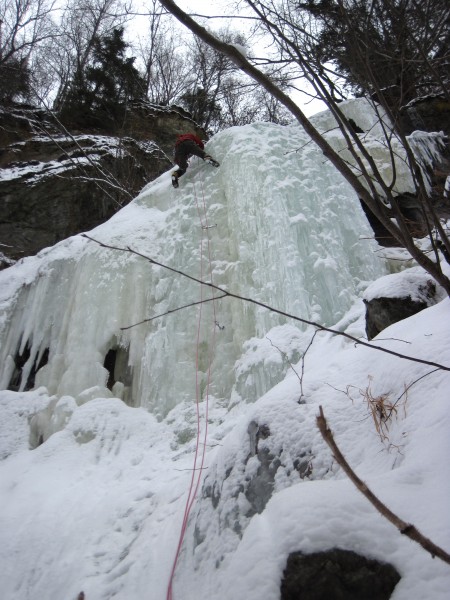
(199, 457)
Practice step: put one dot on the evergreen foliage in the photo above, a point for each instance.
(14, 80)
(100, 94)
(398, 47)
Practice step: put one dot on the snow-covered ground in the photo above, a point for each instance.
(99, 505)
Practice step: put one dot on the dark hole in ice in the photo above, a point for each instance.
(110, 365)
(21, 361)
(116, 363)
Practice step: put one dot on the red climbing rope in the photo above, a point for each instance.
(199, 458)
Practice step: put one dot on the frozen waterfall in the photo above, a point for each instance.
(98, 453)
(283, 229)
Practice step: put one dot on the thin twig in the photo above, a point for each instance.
(404, 528)
(408, 387)
(310, 343)
(286, 357)
(172, 310)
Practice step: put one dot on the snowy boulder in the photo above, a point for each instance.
(272, 449)
(398, 296)
(261, 485)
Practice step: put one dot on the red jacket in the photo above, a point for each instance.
(189, 136)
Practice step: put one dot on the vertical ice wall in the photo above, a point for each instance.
(283, 228)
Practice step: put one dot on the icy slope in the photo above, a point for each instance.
(274, 222)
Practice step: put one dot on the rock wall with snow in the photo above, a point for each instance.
(57, 180)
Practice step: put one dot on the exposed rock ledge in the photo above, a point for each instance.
(55, 183)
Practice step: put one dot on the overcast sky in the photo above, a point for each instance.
(224, 7)
(205, 7)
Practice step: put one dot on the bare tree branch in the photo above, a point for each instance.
(404, 527)
(267, 307)
(168, 312)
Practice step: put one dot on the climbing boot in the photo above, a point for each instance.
(174, 180)
(211, 161)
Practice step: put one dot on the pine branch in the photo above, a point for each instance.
(404, 528)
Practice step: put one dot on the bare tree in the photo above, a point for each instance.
(361, 171)
(24, 25)
(243, 103)
(163, 59)
(209, 69)
(298, 41)
(217, 94)
(82, 22)
(238, 108)
(398, 47)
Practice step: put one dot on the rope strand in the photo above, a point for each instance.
(196, 479)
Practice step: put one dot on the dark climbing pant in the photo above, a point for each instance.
(183, 151)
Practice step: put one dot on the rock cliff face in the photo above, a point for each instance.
(429, 114)
(55, 183)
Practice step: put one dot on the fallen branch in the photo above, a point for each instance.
(267, 307)
(404, 528)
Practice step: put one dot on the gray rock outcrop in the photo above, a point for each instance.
(55, 183)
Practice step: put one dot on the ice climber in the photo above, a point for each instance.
(188, 144)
